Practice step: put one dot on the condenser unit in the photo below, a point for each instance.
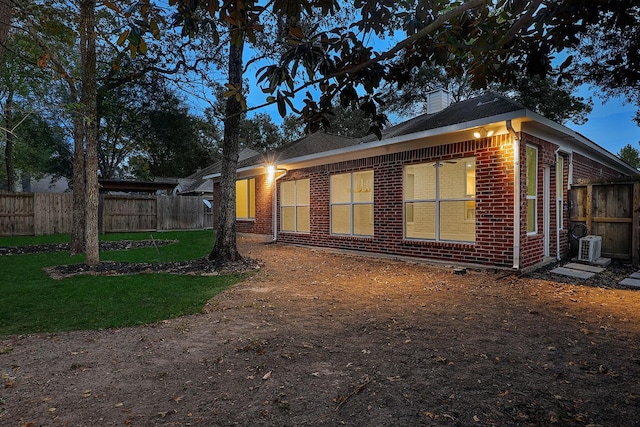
(589, 248)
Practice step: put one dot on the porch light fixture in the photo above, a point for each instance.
(482, 132)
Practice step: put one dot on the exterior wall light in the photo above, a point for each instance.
(482, 132)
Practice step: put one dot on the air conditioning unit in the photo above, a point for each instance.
(589, 248)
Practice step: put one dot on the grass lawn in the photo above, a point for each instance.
(31, 302)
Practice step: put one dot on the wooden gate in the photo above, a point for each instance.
(610, 210)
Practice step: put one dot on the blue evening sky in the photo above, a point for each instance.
(610, 125)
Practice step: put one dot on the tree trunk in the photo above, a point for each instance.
(9, 138)
(88, 100)
(79, 205)
(225, 248)
(5, 24)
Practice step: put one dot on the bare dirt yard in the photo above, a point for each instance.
(323, 339)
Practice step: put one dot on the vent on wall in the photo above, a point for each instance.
(589, 248)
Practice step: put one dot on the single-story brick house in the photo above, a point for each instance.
(484, 181)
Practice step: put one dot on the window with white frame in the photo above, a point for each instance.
(532, 190)
(351, 203)
(294, 206)
(246, 198)
(439, 200)
(560, 192)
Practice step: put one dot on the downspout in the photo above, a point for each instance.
(516, 196)
(570, 177)
(275, 203)
(558, 214)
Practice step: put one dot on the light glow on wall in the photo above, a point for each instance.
(271, 173)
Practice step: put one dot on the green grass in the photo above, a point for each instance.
(32, 302)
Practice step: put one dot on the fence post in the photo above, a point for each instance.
(635, 226)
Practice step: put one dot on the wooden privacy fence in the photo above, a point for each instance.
(51, 213)
(35, 213)
(610, 210)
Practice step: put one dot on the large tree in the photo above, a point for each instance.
(88, 99)
(146, 131)
(25, 89)
(41, 148)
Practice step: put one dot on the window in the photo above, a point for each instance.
(294, 206)
(439, 200)
(560, 192)
(352, 204)
(246, 198)
(532, 190)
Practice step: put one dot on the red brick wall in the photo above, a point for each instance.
(584, 168)
(494, 203)
(494, 212)
(532, 246)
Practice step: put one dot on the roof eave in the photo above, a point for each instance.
(399, 143)
(386, 146)
(586, 142)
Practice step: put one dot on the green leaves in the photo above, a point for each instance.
(235, 91)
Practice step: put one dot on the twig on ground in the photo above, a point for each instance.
(366, 380)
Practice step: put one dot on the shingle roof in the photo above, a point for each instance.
(199, 184)
(310, 144)
(487, 105)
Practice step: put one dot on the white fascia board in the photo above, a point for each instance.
(212, 176)
(573, 141)
(245, 172)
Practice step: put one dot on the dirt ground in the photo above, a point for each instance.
(323, 339)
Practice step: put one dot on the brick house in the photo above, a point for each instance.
(482, 182)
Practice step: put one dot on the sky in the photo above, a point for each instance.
(610, 125)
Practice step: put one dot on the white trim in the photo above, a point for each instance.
(517, 190)
(546, 209)
(438, 200)
(352, 203)
(535, 197)
(295, 206)
(275, 202)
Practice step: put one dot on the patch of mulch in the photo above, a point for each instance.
(61, 247)
(199, 267)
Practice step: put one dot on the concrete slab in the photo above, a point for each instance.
(602, 262)
(584, 267)
(632, 283)
(562, 271)
(635, 275)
